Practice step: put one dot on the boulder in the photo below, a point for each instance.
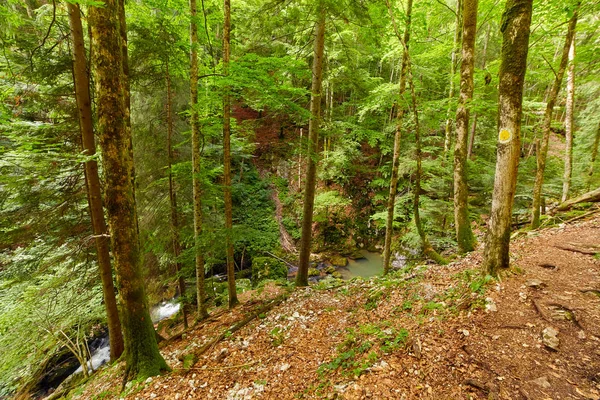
(338, 261)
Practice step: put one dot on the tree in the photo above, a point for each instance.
(594, 155)
(391, 202)
(516, 22)
(569, 121)
(233, 301)
(174, 215)
(313, 143)
(141, 350)
(84, 105)
(464, 234)
(197, 188)
(543, 147)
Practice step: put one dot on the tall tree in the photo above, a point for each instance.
(141, 350)
(487, 82)
(233, 301)
(569, 121)
(516, 22)
(464, 234)
(197, 186)
(391, 203)
(453, 62)
(174, 217)
(313, 143)
(543, 148)
(92, 178)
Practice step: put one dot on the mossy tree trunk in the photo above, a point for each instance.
(94, 190)
(391, 203)
(516, 22)
(313, 143)
(233, 300)
(464, 234)
(543, 149)
(569, 123)
(196, 160)
(174, 215)
(141, 350)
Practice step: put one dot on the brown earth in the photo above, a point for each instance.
(429, 333)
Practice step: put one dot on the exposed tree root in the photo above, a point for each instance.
(490, 389)
(582, 248)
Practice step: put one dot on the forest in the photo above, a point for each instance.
(172, 169)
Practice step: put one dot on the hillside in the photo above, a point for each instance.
(433, 332)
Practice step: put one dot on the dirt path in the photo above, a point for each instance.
(431, 333)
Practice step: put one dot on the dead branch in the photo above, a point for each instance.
(582, 248)
(593, 196)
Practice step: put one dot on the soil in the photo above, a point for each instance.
(434, 332)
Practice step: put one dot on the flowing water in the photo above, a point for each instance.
(101, 355)
(370, 265)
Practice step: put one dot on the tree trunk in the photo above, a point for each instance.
(516, 22)
(196, 182)
(389, 224)
(141, 350)
(569, 120)
(84, 105)
(233, 301)
(464, 234)
(312, 156)
(542, 154)
(594, 155)
(455, 50)
(427, 248)
(173, 197)
(590, 197)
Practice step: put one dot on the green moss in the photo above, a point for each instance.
(267, 268)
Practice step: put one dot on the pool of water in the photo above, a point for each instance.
(370, 265)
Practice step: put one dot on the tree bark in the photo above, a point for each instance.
(84, 106)
(233, 301)
(313, 143)
(569, 120)
(543, 151)
(516, 22)
(391, 203)
(173, 196)
(455, 50)
(141, 350)
(464, 234)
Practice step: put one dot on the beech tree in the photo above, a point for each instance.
(84, 105)
(516, 21)
(462, 224)
(141, 350)
(313, 143)
(569, 122)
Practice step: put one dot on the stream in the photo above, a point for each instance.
(101, 354)
(370, 265)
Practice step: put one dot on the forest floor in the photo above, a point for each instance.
(434, 332)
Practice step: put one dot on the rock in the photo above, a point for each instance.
(222, 355)
(535, 283)
(542, 382)
(416, 348)
(313, 272)
(490, 305)
(550, 338)
(338, 261)
(330, 269)
(284, 367)
(337, 275)
(581, 335)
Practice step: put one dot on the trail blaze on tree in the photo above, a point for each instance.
(516, 21)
